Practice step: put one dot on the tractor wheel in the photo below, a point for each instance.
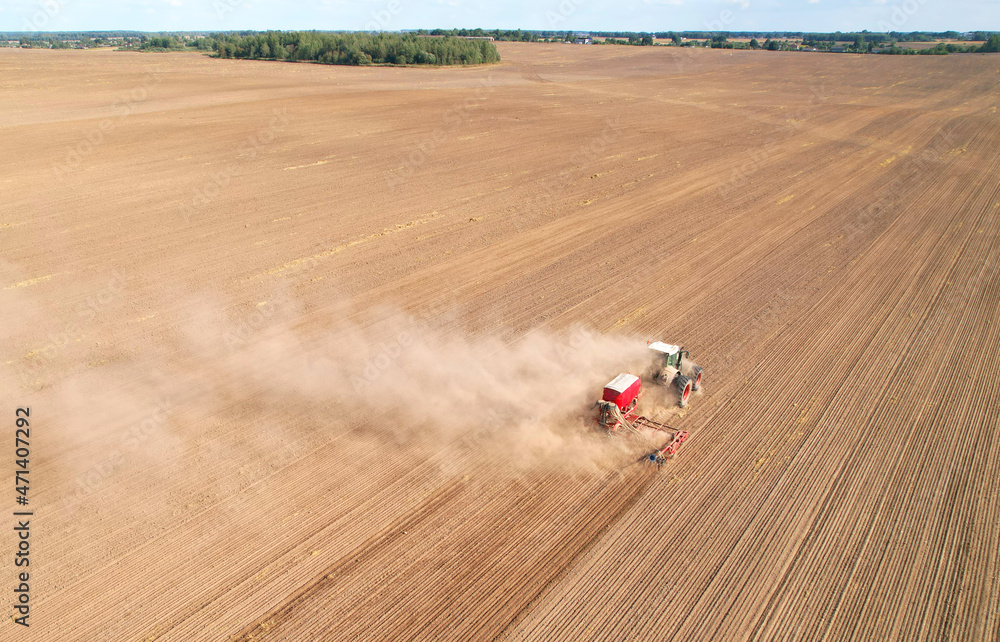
(684, 387)
(696, 374)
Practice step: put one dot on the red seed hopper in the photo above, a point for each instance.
(616, 414)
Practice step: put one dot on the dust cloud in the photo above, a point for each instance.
(422, 383)
(410, 382)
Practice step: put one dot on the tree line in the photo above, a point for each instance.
(356, 48)
(863, 42)
(452, 46)
(509, 35)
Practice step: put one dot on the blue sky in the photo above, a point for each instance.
(632, 15)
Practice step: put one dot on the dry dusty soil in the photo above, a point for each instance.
(309, 350)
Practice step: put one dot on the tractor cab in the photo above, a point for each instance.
(669, 368)
(669, 354)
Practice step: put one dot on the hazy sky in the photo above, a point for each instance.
(633, 15)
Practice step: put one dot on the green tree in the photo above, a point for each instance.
(355, 48)
(992, 45)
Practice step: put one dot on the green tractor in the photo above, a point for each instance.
(671, 368)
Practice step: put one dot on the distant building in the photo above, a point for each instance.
(582, 41)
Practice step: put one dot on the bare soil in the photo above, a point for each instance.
(309, 349)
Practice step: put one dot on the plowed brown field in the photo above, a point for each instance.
(307, 348)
